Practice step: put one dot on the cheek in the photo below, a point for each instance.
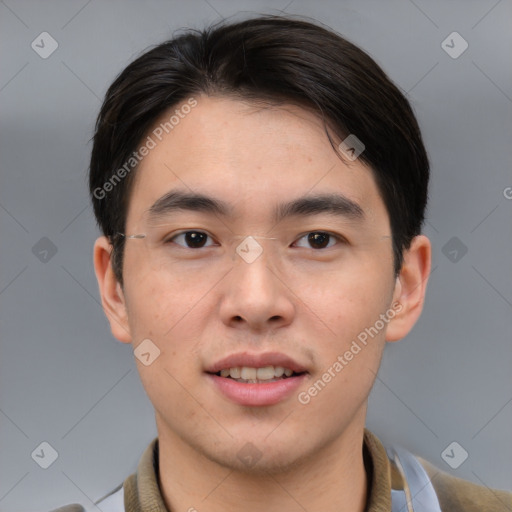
(348, 356)
(172, 321)
(354, 310)
(160, 304)
(350, 300)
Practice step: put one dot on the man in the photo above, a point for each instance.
(261, 188)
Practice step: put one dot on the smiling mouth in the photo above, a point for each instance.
(250, 375)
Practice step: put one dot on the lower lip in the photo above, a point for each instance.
(268, 393)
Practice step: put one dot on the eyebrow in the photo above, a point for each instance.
(333, 204)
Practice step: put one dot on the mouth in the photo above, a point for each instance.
(258, 379)
(262, 375)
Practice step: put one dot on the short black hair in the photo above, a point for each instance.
(274, 59)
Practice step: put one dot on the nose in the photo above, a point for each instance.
(255, 294)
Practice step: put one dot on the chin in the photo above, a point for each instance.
(266, 463)
(263, 458)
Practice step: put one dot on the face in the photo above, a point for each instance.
(317, 298)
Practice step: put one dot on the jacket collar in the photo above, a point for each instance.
(142, 491)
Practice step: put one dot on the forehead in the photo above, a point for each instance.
(253, 157)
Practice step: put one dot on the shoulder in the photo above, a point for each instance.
(112, 502)
(73, 507)
(455, 494)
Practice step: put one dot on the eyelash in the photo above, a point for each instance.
(338, 238)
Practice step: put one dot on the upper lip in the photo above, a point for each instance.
(256, 361)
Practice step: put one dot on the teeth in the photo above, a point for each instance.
(254, 375)
(235, 373)
(265, 373)
(248, 373)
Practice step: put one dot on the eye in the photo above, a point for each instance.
(320, 239)
(192, 239)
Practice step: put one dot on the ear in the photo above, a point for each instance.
(111, 292)
(410, 288)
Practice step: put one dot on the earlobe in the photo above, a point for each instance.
(111, 293)
(410, 288)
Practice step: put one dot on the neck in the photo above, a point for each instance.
(332, 479)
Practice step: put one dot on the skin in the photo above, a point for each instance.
(306, 305)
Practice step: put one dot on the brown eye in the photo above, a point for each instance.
(319, 240)
(193, 239)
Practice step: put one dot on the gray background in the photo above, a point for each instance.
(65, 380)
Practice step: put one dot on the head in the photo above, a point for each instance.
(254, 115)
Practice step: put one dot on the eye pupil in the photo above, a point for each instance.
(195, 238)
(321, 239)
